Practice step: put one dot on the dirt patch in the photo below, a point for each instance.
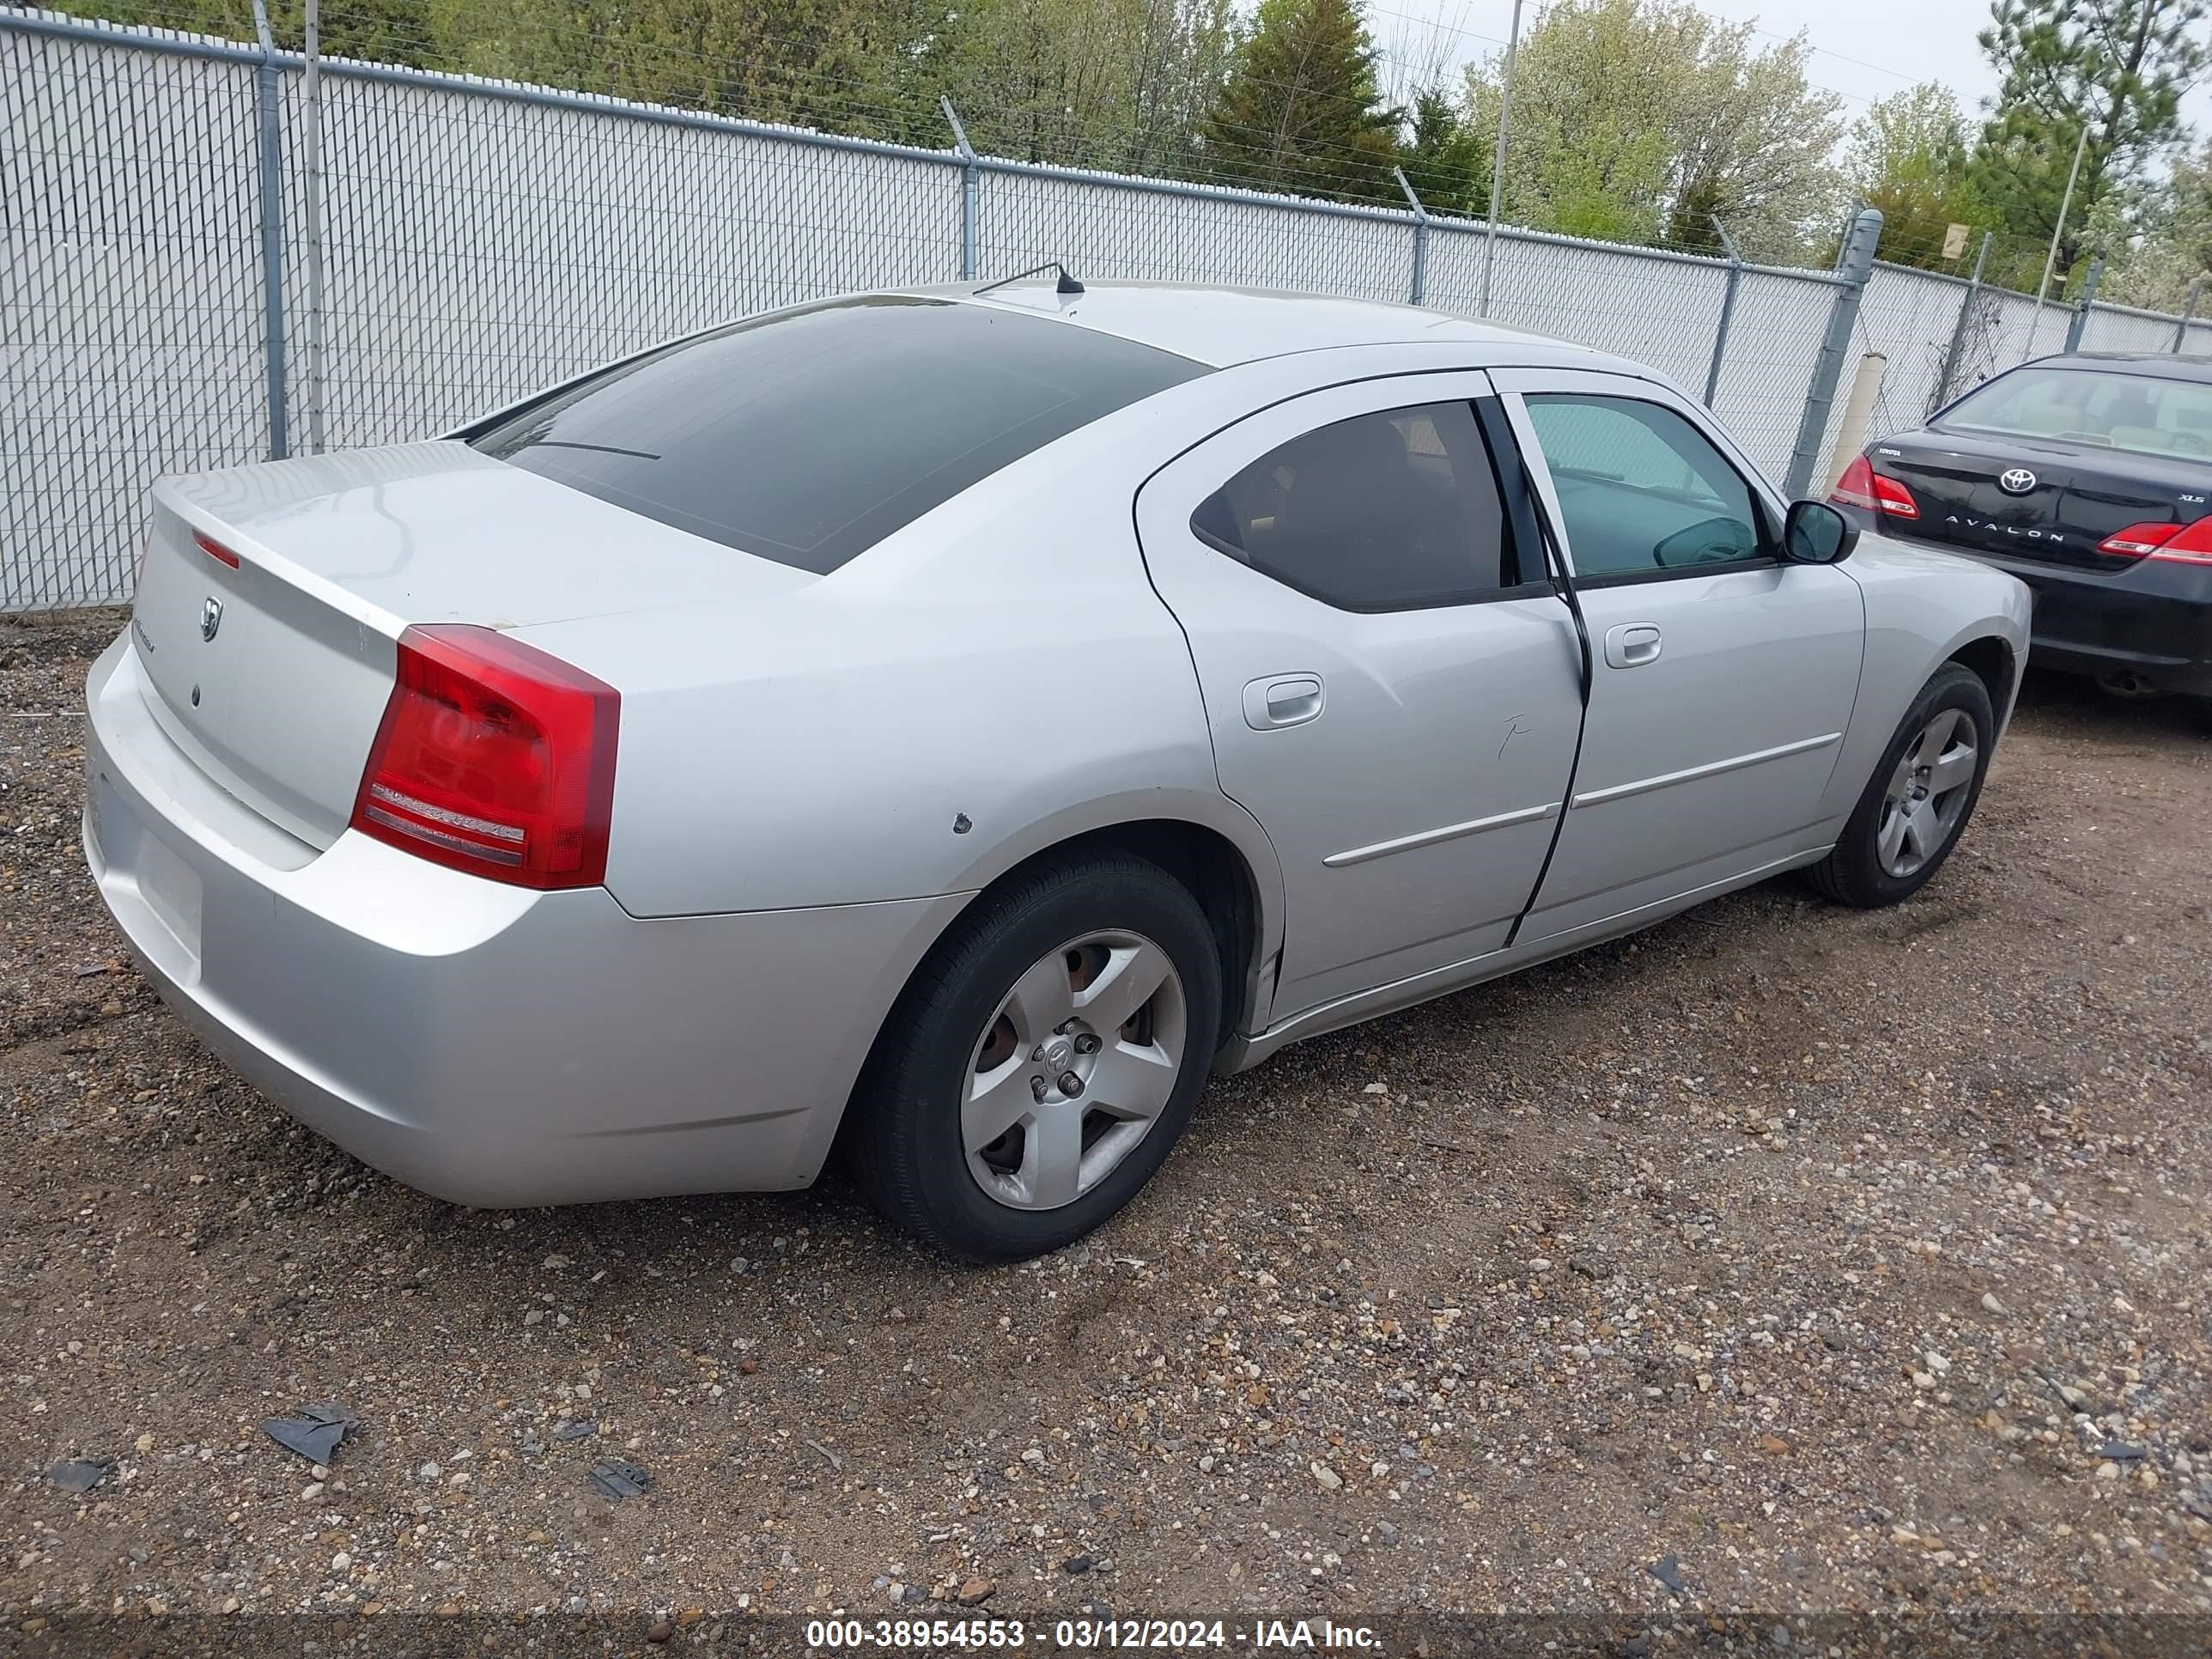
(1850, 1260)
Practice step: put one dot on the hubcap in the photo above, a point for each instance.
(1927, 794)
(1073, 1070)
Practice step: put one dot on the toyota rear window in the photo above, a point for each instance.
(2113, 409)
(808, 436)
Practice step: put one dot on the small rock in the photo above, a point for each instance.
(312, 1492)
(1388, 1532)
(976, 1592)
(1668, 1572)
(341, 1561)
(1991, 1304)
(2108, 1471)
(1076, 1563)
(1329, 1478)
(660, 1630)
(1773, 1445)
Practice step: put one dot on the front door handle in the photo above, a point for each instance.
(1631, 645)
(1282, 700)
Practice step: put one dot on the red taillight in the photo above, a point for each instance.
(1855, 487)
(2180, 544)
(213, 549)
(495, 758)
(1860, 486)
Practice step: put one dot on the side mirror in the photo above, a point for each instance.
(1815, 533)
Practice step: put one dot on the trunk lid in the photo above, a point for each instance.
(2080, 494)
(273, 674)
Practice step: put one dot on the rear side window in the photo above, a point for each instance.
(808, 436)
(1382, 512)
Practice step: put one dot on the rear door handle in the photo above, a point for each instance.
(1631, 645)
(1282, 700)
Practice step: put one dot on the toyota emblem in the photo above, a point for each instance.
(2016, 481)
(210, 618)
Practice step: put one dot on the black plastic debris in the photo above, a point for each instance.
(312, 1431)
(576, 1430)
(80, 1473)
(620, 1480)
(1668, 1571)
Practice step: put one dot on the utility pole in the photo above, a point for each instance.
(2058, 230)
(1497, 160)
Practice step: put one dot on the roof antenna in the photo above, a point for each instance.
(1066, 284)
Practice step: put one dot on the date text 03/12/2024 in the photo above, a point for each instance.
(1082, 1635)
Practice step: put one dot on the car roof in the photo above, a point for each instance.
(1224, 326)
(2161, 365)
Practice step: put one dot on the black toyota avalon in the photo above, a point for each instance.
(2087, 477)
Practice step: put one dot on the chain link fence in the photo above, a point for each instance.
(482, 239)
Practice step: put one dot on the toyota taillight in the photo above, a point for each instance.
(496, 758)
(2180, 543)
(1862, 486)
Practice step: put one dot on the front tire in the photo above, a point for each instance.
(1043, 1062)
(1920, 798)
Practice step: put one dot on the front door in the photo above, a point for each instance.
(1723, 678)
(1388, 697)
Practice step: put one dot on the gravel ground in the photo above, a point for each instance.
(1842, 1261)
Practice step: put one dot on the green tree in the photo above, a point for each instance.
(1909, 157)
(1114, 84)
(2172, 246)
(1301, 110)
(1445, 160)
(1642, 120)
(2116, 70)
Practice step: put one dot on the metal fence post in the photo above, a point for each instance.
(2081, 319)
(2188, 312)
(970, 183)
(272, 230)
(311, 94)
(1958, 331)
(1727, 313)
(1855, 265)
(1420, 236)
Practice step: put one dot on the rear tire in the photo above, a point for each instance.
(1907, 821)
(993, 1120)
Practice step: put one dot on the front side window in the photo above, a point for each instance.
(2117, 410)
(1643, 491)
(1382, 512)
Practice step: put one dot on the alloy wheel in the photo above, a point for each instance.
(1073, 1069)
(1927, 794)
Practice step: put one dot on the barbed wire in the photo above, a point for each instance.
(1181, 137)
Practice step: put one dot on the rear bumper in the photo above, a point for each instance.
(485, 1044)
(2152, 620)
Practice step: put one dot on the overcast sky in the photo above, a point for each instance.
(1863, 49)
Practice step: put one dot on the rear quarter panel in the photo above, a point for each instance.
(995, 678)
(1921, 608)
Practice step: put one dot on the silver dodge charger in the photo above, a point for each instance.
(941, 728)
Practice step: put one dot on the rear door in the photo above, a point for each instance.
(1388, 697)
(1723, 678)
